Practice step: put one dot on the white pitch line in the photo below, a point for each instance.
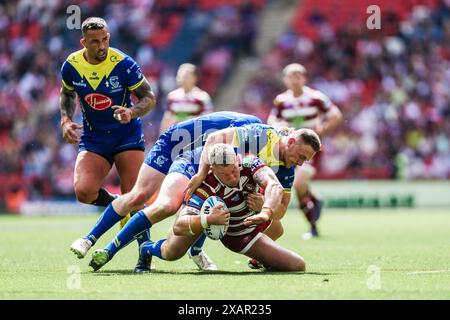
(426, 272)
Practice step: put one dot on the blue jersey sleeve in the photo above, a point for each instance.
(133, 75)
(195, 202)
(286, 177)
(66, 76)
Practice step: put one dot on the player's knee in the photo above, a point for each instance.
(164, 209)
(85, 195)
(138, 198)
(299, 265)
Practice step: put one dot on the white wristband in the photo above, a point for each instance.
(203, 221)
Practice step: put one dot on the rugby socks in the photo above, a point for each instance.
(107, 220)
(104, 198)
(153, 248)
(197, 247)
(137, 226)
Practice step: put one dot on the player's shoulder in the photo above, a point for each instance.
(74, 58)
(200, 93)
(176, 93)
(314, 93)
(251, 162)
(118, 56)
(281, 96)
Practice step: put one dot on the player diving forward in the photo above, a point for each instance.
(282, 153)
(232, 178)
(185, 135)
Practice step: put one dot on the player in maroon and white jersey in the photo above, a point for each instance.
(188, 100)
(233, 179)
(303, 107)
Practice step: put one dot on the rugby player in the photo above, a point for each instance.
(232, 178)
(103, 78)
(281, 153)
(186, 135)
(302, 107)
(187, 101)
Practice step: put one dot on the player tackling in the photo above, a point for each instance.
(232, 178)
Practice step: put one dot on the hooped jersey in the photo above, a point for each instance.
(260, 140)
(234, 198)
(303, 111)
(101, 86)
(184, 105)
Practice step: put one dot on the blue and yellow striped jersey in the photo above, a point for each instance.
(101, 86)
(260, 139)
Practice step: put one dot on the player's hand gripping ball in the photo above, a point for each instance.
(214, 231)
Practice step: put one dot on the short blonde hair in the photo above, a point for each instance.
(293, 68)
(221, 154)
(187, 67)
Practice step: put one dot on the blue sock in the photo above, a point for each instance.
(137, 225)
(196, 248)
(106, 221)
(154, 248)
(143, 237)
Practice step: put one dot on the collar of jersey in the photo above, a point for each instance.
(94, 73)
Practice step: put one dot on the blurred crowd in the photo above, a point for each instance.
(35, 39)
(392, 88)
(391, 85)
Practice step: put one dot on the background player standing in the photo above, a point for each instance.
(188, 100)
(302, 107)
(103, 79)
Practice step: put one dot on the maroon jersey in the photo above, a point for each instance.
(185, 105)
(234, 198)
(303, 111)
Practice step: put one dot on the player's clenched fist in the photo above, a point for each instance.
(123, 114)
(255, 201)
(69, 131)
(219, 215)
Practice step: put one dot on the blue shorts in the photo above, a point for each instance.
(187, 164)
(109, 143)
(160, 156)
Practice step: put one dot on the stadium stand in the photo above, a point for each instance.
(389, 83)
(34, 41)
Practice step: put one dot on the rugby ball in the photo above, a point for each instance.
(214, 231)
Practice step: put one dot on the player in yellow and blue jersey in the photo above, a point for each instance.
(103, 78)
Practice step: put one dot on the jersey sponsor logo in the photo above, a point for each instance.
(203, 192)
(79, 84)
(236, 198)
(98, 101)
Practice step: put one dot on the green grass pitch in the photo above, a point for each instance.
(363, 254)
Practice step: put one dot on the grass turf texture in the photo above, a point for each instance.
(35, 261)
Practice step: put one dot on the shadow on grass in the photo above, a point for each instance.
(107, 273)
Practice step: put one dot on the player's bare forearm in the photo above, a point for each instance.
(67, 104)
(187, 224)
(273, 191)
(146, 97)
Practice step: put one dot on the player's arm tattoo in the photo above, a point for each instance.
(273, 191)
(67, 103)
(147, 99)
